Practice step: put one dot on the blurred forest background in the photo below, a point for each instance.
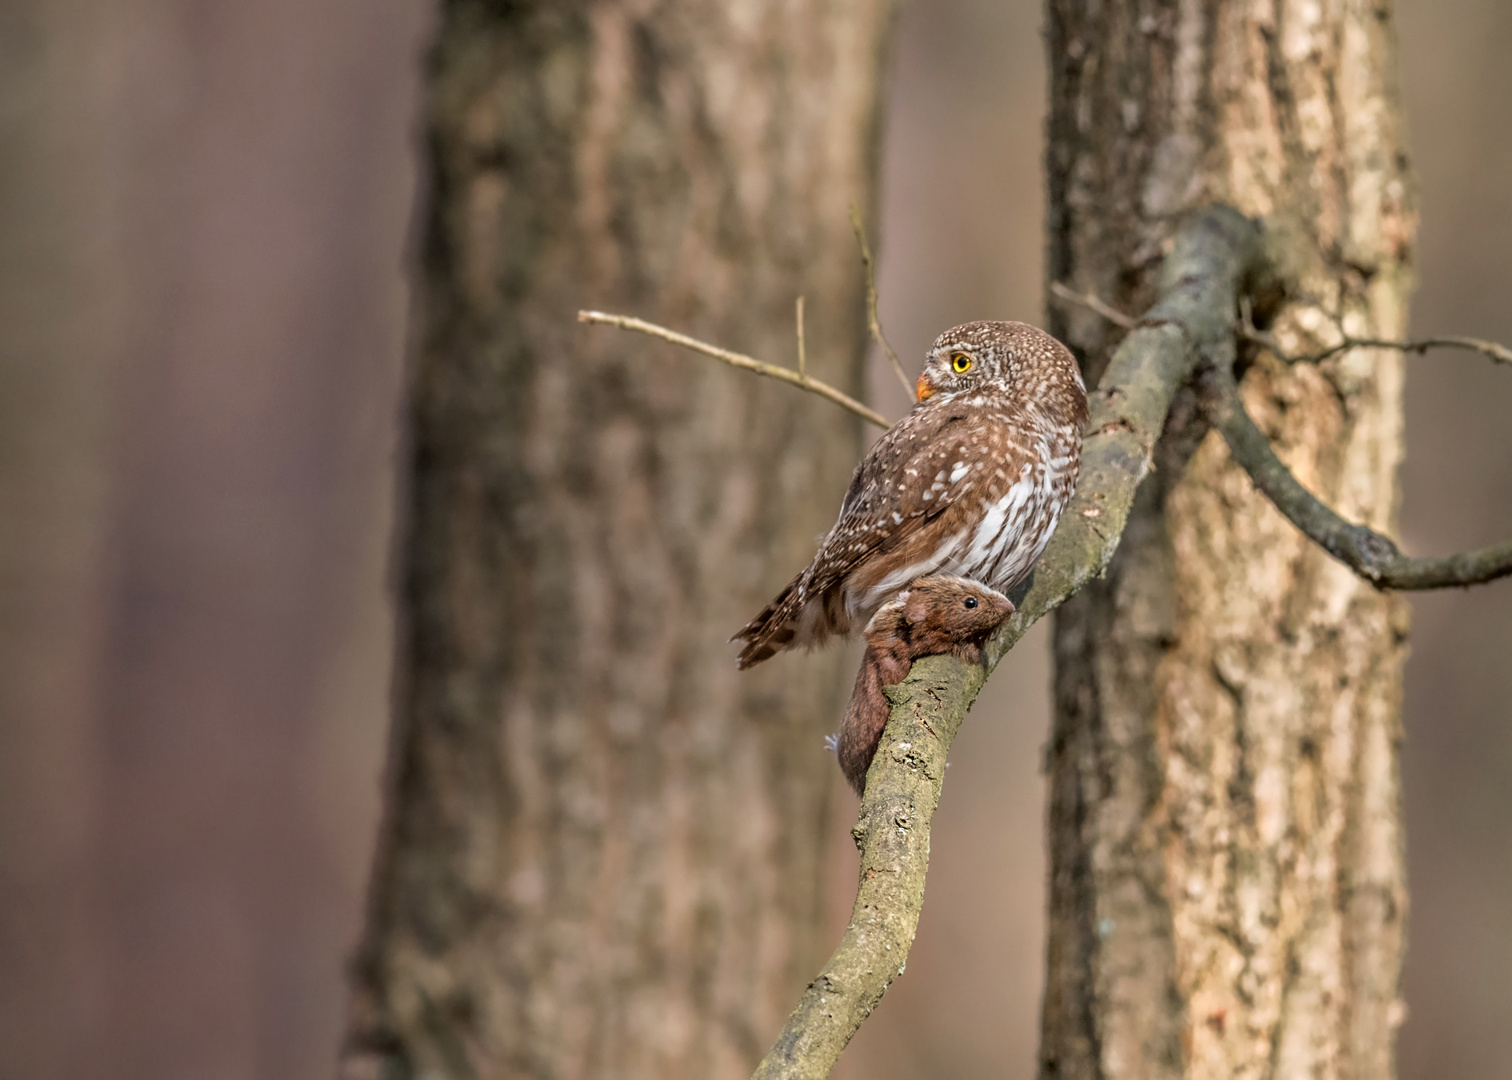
(204, 215)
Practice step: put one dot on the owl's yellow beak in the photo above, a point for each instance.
(924, 388)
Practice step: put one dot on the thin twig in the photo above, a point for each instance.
(1497, 353)
(1093, 303)
(872, 322)
(1365, 551)
(802, 355)
(740, 360)
(1247, 330)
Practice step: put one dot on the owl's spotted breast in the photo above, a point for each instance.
(971, 482)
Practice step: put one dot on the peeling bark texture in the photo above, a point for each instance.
(602, 849)
(1227, 895)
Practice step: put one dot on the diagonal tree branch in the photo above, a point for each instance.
(1213, 253)
(1213, 256)
(1365, 551)
(892, 831)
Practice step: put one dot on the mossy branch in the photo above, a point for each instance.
(1213, 256)
(1210, 258)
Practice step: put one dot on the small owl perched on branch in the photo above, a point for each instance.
(971, 482)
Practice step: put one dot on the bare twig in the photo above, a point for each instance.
(872, 322)
(1092, 302)
(1211, 254)
(802, 354)
(740, 360)
(1497, 353)
(1365, 551)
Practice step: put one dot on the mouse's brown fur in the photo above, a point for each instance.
(935, 615)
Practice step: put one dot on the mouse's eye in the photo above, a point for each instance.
(970, 602)
(960, 363)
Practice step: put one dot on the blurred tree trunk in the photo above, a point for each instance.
(54, 435)
(602, 849)
(1227, 895)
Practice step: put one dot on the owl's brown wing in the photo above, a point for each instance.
(908, 484)
(911, 483)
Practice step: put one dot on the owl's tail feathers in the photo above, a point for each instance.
(771, 631)
(797, 617)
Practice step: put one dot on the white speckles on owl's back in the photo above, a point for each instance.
(971, 482)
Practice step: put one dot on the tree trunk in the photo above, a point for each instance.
(602, 849)
(54, 414)
(1227, 895)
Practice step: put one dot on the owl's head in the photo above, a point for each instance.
(1012, 356)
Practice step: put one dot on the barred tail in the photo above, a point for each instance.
(771, 631)
(794, 618)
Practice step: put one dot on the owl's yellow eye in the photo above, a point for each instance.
(960, 363)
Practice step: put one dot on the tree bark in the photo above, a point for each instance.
(602, 849)
(1227, 895)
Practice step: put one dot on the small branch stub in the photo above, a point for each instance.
(1092, 302)
(802, 350)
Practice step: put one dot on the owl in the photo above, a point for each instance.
(971, 482)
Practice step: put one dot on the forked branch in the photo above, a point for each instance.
(1370, 554)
